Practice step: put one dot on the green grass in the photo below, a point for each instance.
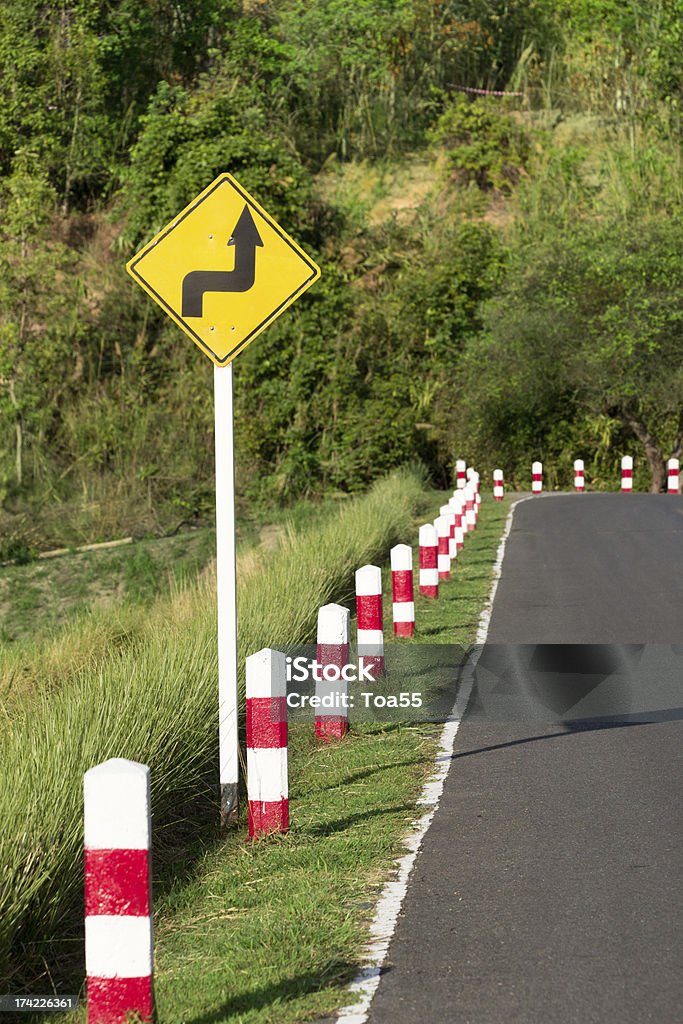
(273, 931)
(63, 615)
(155, 701)
(61, 588)
(38, 598)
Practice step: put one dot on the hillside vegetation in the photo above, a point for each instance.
(151, 697)
(501, 274)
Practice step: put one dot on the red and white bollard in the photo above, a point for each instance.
(470, 514)
(579, 481)
(456, 506)
(429, 561)
(477, 497)
(118, 905)
(403, 601)
(448, 512)
(460, 474)
(443, 533)
(498, 490)
(672, 476)
(332, 653)
(267, 789)
(369, 618)
(536, 477)
(627, 473)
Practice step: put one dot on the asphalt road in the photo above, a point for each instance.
(548, 888)
(592, 568)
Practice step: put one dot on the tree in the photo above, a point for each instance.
(630, 364)
(588, 327)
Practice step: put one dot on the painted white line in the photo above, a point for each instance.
(383, 925)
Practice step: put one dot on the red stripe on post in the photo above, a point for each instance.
(265, 816)
(369, 610)
(374, 664)
(402, 585)
(429, 557)
(266, 722)
(117, 882)
(332, 654)
(331, 727)
(444, 549)
(110, 1000)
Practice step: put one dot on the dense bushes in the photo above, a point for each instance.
(112, 117)
(583, 349)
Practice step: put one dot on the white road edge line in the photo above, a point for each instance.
(389, 905)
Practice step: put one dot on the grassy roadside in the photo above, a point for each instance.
(63, 615)
(273, 932)
(156, 703)
(41, 596)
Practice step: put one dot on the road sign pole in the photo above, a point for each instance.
(223, 270)
(227, 593)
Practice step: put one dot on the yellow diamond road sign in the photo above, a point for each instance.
(223, 269)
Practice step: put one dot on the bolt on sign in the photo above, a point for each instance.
(223, 270)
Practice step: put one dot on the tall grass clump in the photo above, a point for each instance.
(87, 639)
(156, 703)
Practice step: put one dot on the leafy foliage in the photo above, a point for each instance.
(38, 297)
(588, 330)
(525, 303)
(484, 148)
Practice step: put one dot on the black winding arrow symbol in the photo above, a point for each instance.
(245, 238)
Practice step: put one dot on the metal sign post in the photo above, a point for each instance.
(226, 585)
(224, 270)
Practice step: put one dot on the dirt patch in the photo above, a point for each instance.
(371, 194)
(407, 193)
(271, 536)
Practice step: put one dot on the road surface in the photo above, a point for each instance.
(548, 888)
